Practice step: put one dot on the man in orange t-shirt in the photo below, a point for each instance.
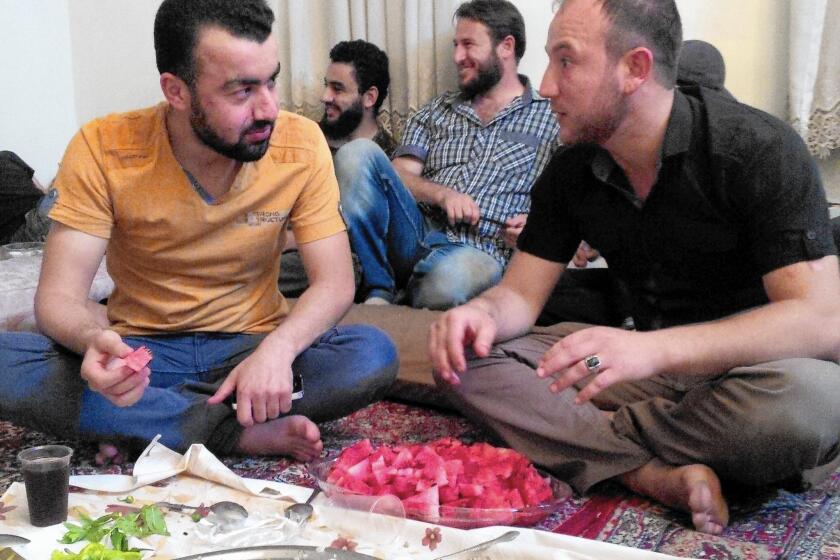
(189, 202)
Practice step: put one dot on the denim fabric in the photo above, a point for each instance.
(345, 369)
(398, 248)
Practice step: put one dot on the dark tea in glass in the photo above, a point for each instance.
(46, 473)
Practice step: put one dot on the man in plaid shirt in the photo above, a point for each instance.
(440, 223)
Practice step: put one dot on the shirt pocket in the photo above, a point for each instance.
(449, 146)
(515, 152)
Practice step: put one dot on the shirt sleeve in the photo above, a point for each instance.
(785, 204)
(316, 213)
(415, 138)
(83, 200)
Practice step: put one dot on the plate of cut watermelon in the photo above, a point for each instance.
(446, 482)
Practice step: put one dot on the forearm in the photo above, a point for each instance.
(318, 309)
(510, 311)
(515, 303)
(422, 189)
(779, 330)
(70, 322)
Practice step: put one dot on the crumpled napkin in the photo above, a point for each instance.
(157, 462)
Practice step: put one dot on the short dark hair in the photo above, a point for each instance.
(654, 24)
(370, 65)
(500, 17)
(178, 23)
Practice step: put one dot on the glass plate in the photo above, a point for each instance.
(282, 552)
(461, 517)
(29, 249)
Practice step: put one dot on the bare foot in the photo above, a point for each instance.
(691, 488)
(296, 436)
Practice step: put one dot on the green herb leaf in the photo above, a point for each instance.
(148, 521)
(128, 524)
(118, 540)
(153, 521)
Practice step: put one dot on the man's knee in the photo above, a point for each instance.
(454, 279)
(376, 355)
(797, 429)
(361, 168)
(355, 160)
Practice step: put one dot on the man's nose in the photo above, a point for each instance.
(459, 54)
(327, 95)
(266, 107)
(548, 85)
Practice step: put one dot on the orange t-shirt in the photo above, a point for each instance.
(180, 263)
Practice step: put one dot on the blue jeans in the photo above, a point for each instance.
(396, 245)
(345, 369)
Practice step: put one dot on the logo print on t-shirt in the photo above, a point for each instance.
(264, 217)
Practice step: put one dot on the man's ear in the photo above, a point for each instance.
(369, 97)
(506, 48)
(175, 90)
(638, 68)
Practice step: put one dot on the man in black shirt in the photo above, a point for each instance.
(713, 215)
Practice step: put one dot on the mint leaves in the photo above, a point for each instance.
(117, 527)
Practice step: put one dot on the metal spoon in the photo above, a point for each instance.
(12, 540)
(301, 512)
(472, 551)
(226, 514)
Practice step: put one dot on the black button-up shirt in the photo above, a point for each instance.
(737, 196)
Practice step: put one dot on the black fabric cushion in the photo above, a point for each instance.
(18, 194)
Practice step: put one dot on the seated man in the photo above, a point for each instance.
(469, 158)
(713, 215)
(191, 198)
(594, 295)
(355, 86)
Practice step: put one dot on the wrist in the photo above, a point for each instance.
(278, 346)
(88, 337)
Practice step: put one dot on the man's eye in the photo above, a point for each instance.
(242, 93)
(271, 83)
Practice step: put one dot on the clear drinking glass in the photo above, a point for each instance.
(378, 520)
(46, 473)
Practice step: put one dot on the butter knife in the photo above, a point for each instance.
(12, 540)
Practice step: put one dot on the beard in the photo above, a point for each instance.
(240, 150)
(607, 115)
(346, 122)
(489, 73)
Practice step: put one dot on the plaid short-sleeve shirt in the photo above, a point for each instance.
(495, 163)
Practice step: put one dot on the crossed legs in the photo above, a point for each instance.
(345, 369)
(672, 439)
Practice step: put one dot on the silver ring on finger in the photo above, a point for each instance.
(593, 364)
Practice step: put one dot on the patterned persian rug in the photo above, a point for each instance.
(766, 524)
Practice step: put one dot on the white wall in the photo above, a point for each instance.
(37, 113)
(113, 56)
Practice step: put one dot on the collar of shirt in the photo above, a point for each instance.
(677, 141)
(459, 103)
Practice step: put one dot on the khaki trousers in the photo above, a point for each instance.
(754, 425)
